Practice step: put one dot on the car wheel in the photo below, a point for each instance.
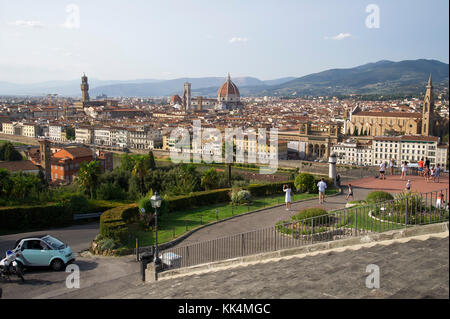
(57, 265)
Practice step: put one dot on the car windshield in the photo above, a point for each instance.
(53, 242)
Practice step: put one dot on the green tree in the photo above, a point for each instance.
(70, 133)
(6, 183)
(150, 160)
(304, 182)
(210, 179)
(9, 153)
(127, 163)
(140, 170)
(88, 177)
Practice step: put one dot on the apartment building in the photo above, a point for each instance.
(410, 148)
(83, 135)
(57, 132)
(353, 152)
(102, 136)
(119, 137)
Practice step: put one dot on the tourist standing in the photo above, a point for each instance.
(382, 170)
(437, 173)
(350, 192)
(404, 169)
(439, 200)
(391, 166)
(426, 173)
(287, 189)
(322, 186)
(427, 162)
(420, 169)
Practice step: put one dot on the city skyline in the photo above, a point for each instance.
(198, 39)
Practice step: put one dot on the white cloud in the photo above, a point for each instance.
(340, 36)
(238, 40)
(27, 23)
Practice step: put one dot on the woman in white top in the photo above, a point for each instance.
(287, 189)
(404, 170)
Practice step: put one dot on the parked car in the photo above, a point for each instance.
(44, 251)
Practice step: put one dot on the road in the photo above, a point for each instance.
(78, 237)
(95, 271)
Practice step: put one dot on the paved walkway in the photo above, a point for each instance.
(267, 218)
(395, 184)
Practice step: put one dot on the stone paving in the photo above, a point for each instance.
(415, 269)
(395, 184)
(267, 218)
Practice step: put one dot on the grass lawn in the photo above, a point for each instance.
(12, 142)
(176, 224)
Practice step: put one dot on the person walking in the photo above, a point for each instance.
(404, 169)
(420, 169)
(287, 189)
(321, 186)
(382, 170)
(350, 192)
(391, 166)
(437, 173)
(427, 162)
(426, 173)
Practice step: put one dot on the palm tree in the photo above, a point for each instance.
(209, 179)
(140, 169)
(88, 176)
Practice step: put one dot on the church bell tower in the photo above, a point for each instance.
(84, 88)
(428, 109)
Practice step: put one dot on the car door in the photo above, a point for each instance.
(45, 255)
(31, 250)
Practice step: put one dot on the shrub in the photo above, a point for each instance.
(258, 190)
(310, 213)
(196, 199)
(304, 182)
(34, 217)
(110, 191)
(378, 196)
(114, 222)
(75, 203)
(240, 196)
(107, 244)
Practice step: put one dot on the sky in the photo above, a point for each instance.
(49, 40)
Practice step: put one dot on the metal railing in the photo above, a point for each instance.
(406, 210)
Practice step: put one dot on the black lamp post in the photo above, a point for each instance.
(156, 203)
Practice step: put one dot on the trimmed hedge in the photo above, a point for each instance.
(114, 222)
(257, 190)
(196, 199)
(305, 216)
(34, 217)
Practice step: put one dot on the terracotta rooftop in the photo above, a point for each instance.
(389, 114)
(15, 166)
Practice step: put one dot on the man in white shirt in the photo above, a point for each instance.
(322, 186)
(382, 170)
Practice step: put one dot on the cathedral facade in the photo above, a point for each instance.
(361, 123)
(228, 98)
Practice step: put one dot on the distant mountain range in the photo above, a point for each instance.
(383, 77)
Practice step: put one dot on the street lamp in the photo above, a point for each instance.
(156, 203)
